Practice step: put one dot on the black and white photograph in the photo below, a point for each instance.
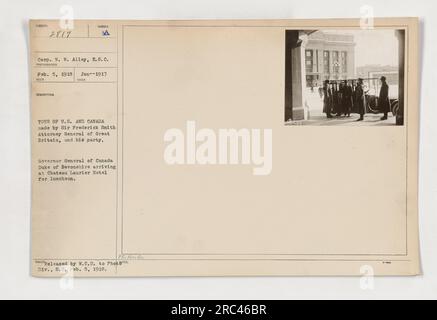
(344, 77)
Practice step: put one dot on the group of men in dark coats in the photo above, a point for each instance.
(342, 98)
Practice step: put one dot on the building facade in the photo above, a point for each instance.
(376, 71)
(329, 56)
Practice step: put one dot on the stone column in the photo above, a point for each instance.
(291, 38)
(340, 65)
(351, 63)
(320, 67)
(295, 75)
(331, 63)
(400, 34)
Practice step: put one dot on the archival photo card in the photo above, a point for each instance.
(224, 147)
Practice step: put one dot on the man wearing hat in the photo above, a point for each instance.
(359, 96)
(327, 97)
(383, 100)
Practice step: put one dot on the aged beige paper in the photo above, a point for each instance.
(217, 148)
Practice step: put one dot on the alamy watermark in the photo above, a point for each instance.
(66, 22)
(367, 280)
(367, 17)
(221, 147)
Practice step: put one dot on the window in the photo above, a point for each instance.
(344, 61)
(309, 60)
(326, 62)
(335, 62)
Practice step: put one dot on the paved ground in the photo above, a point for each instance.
(369, 120)
(317, 118)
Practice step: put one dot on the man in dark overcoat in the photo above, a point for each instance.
(359, 99)
(383, 100)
